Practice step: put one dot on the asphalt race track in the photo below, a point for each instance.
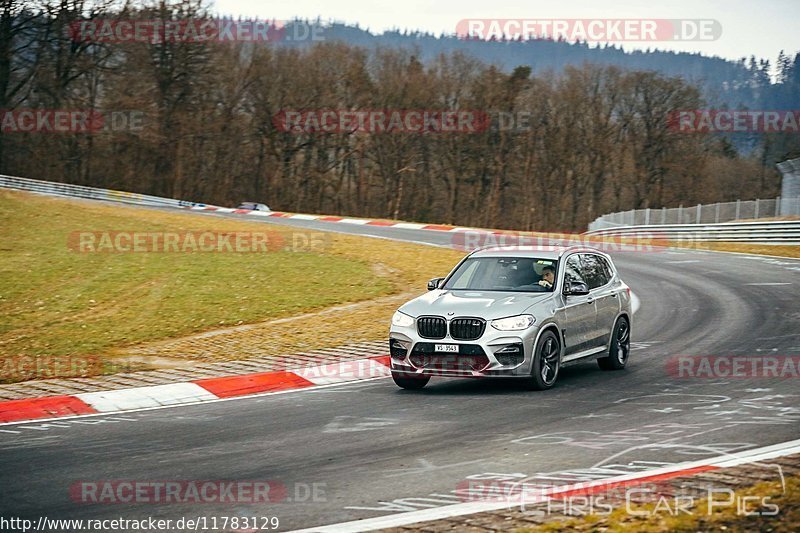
(370, 449)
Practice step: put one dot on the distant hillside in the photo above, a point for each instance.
(743, 83)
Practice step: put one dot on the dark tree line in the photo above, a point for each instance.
(595, 139)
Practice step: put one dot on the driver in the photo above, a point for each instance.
(548, 277)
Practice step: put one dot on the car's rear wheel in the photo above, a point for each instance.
(410, 381)
(546, 362)
(620, 346)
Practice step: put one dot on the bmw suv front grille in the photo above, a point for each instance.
(469, 357)
(467, 329)
(431, 327)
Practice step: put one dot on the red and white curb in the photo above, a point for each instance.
(197, 391)
(343, 220)
(494, 504)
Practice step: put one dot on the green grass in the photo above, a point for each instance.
(55, 301)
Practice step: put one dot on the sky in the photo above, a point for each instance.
(761, 28)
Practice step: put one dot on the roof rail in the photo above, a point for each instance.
(563, 247)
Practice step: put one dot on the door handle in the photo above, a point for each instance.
(590, 301)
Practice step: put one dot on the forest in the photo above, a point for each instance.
(596, 136)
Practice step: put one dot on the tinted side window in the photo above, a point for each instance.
(572, 270)
(594, 269)
(608, 269)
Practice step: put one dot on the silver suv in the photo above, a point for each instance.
(514, 312)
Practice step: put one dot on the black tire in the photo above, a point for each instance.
(410, 381)
(620, 347)
(546, 362)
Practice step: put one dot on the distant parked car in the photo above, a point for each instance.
(515, 312)
(253, 206)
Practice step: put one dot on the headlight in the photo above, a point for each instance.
(513, 323)
(402, 320)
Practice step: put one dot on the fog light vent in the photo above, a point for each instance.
(512, 354)
(396, 349)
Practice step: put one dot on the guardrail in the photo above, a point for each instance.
(701, 213)
(773, 232)
(93, 193)
(777, 232)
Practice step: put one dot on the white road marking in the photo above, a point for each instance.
(467, 508)
(769, 283)
(683, 261)
(779, 336)
(675, 399)
(427, 466)
(349, 424)
(643, 344)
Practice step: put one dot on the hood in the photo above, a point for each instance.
(484, 304)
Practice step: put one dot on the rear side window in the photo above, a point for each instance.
(595, 270)
(572, 270)
(609, 270)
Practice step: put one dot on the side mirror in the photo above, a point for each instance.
(434, 284)
(576, 288)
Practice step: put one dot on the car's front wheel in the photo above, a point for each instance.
(546, 362)
(620, 346)
(410, 381)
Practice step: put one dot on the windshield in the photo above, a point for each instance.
(525, 274)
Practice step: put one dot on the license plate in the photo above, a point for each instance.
(450, 348)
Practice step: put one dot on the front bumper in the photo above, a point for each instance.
(494, 354)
